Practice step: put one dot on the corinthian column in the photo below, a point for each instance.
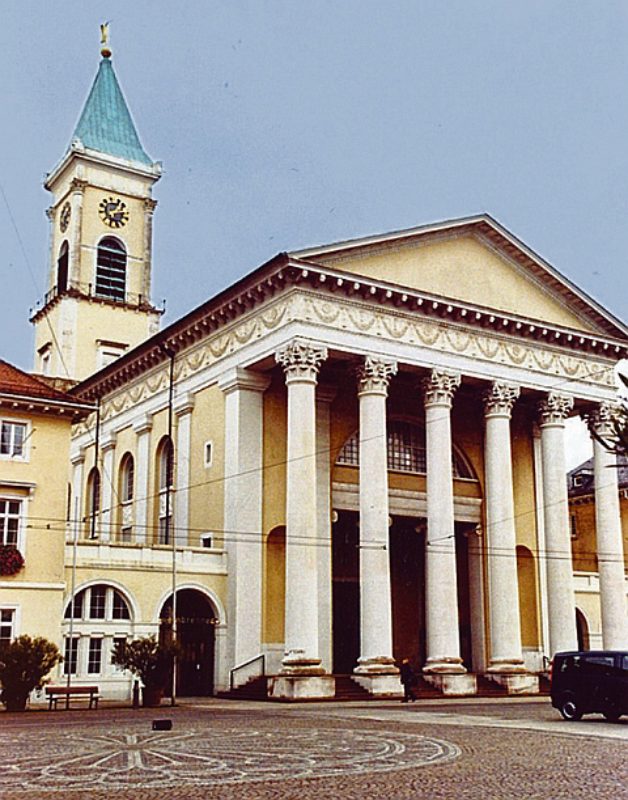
(505, 626)
(301, 360)
(441, 596)
(553, 411)
(375, 598)
(610, 549)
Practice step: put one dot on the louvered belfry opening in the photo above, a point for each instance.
(111, 270)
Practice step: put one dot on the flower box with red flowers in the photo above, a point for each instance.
(11, 560)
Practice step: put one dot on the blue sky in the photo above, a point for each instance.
(285, 124)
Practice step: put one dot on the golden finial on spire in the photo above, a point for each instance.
(105, 51)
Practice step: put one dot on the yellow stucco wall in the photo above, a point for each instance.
(38, 586)
(464, 268)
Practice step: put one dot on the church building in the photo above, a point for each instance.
(353, 455)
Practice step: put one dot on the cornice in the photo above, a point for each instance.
(283, 273)
(40, 405)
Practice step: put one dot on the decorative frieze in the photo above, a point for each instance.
(374, 374)
(500, 398)
(554, 409)
(439, 387)
(301, 359)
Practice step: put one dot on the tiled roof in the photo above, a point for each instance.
(106, 124)
(580, 480)
(16, 381)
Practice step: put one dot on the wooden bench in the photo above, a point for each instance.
(56, 693)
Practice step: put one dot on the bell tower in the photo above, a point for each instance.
(98, 304)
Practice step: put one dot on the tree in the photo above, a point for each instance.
(150, 661)
(24, 664)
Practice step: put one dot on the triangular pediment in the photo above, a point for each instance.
(474, 261)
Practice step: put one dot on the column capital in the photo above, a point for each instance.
(184, 404)
(374, 375)
(78, 185)
(149, 204)
(301, 359)
(601, 421)
(108, 441)
(554, 409)
(439, 387)
(241, 378)
(77, 458)
(143, 424)
(500, 398)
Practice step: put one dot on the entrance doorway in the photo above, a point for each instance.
(196, 634)
(407, 574)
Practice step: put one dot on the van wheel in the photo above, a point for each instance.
(570, 710)
(612, 714)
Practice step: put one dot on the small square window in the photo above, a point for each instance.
(7, 623)
(207, 540)
(12, 439)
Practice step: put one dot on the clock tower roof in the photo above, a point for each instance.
(105, 124)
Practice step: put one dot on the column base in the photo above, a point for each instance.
(452, 684)
(515, 683)
(507, 666)
(446, 666)
(302, 687)
(377, 665)
(379, 685)
(296, 663)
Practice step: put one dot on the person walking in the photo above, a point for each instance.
(408, 680)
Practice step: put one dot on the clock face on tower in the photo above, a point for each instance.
(64, 218)
(113, 212)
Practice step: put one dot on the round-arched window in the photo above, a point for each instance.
(111, 269)
(406, 451)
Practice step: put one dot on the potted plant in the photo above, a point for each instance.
(11, 560)
(150, 661)
(24, 664)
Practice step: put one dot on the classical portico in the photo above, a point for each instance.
(389, 460)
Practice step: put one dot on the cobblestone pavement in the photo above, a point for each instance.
(216, 749)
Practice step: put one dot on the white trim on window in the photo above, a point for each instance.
(11, 440)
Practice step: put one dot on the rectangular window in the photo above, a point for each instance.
(97, 602)
(10, 516)
(126, 534)
(12, 439)
(115, 642)
(7, 625)
(165, 530)
(70, 656)
(94, 660)
(207, 540)
(208, 453)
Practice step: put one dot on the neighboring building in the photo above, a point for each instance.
(352, 455)
(35, 427)
(588, 552)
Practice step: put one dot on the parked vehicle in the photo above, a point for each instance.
(590, 681)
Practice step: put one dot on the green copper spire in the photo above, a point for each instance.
(106, 124)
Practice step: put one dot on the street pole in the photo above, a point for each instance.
(72, 602)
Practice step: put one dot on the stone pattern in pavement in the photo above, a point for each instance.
(216, 752)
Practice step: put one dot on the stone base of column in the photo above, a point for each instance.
(296, 663)
(379, 685)
(302, 687)
(505, 666)
(453, 684)
(515, 683)
(447, 666)
(378, 665)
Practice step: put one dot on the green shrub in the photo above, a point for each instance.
(150, 661)
(24, 664)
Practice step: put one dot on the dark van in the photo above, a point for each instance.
(590, 681)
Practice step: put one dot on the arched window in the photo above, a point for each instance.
(406, 451)
(93, 500)
(111, 269)
(102, 617)
(62, 268)
(127, 489)
(165, 482)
